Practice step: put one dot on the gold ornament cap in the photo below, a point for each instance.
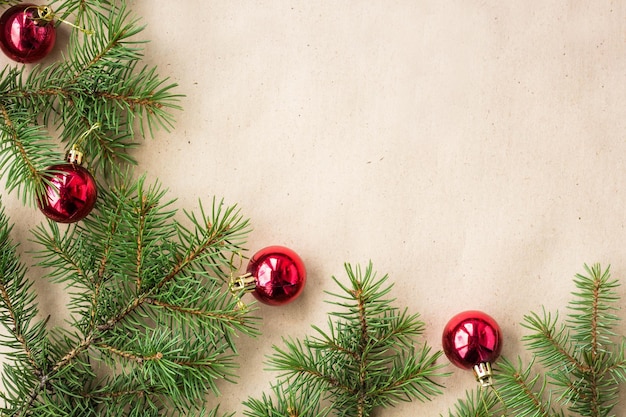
(74, 156)
(484, 373)
(243, 283)
(45, 13)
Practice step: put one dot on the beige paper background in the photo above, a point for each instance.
(472, 150)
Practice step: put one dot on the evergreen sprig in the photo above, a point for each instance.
(152, 322)
(24, 335)
(366, 359)
(99, 82)
(578, 363)
(477, 403)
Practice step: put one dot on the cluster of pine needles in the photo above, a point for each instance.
(153, 324)
(577, 364)
(365, 360)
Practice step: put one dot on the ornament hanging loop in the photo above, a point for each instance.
(93, 127)
(242, 283)
(239, 285)
(75, 154)
(45, 15)
(494, 391)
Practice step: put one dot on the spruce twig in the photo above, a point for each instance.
(25, 336)
(365, 360)
(149, 304)
(578, 363)
(99, 81)
(152, 324)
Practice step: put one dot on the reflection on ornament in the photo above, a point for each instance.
(275, 276)
(27, 32)
(473, 340)
(279, 275)
(70, 191)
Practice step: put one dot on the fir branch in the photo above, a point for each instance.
(131, 356)
(286, 403)
(592, 320)
(148, 299)
(406, 379)
(477, 403)
(100, 81)
(83, 9)
(134, 272)
(311, 367)
(365, 360)
(26, 337)
(24, 153)
(522, 392)
(592, 310)
(617, 369)
(551, 344)
(205, 244)
(581, 362)
(217, 318)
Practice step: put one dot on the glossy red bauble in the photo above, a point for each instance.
(279, 275)
(472, 340)
(70, 193)
(24, 36)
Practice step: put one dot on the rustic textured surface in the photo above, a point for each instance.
(474, 151)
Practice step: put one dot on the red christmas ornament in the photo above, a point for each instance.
(70, 191)
(472, 340)
(279, 275)
(27, 32)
